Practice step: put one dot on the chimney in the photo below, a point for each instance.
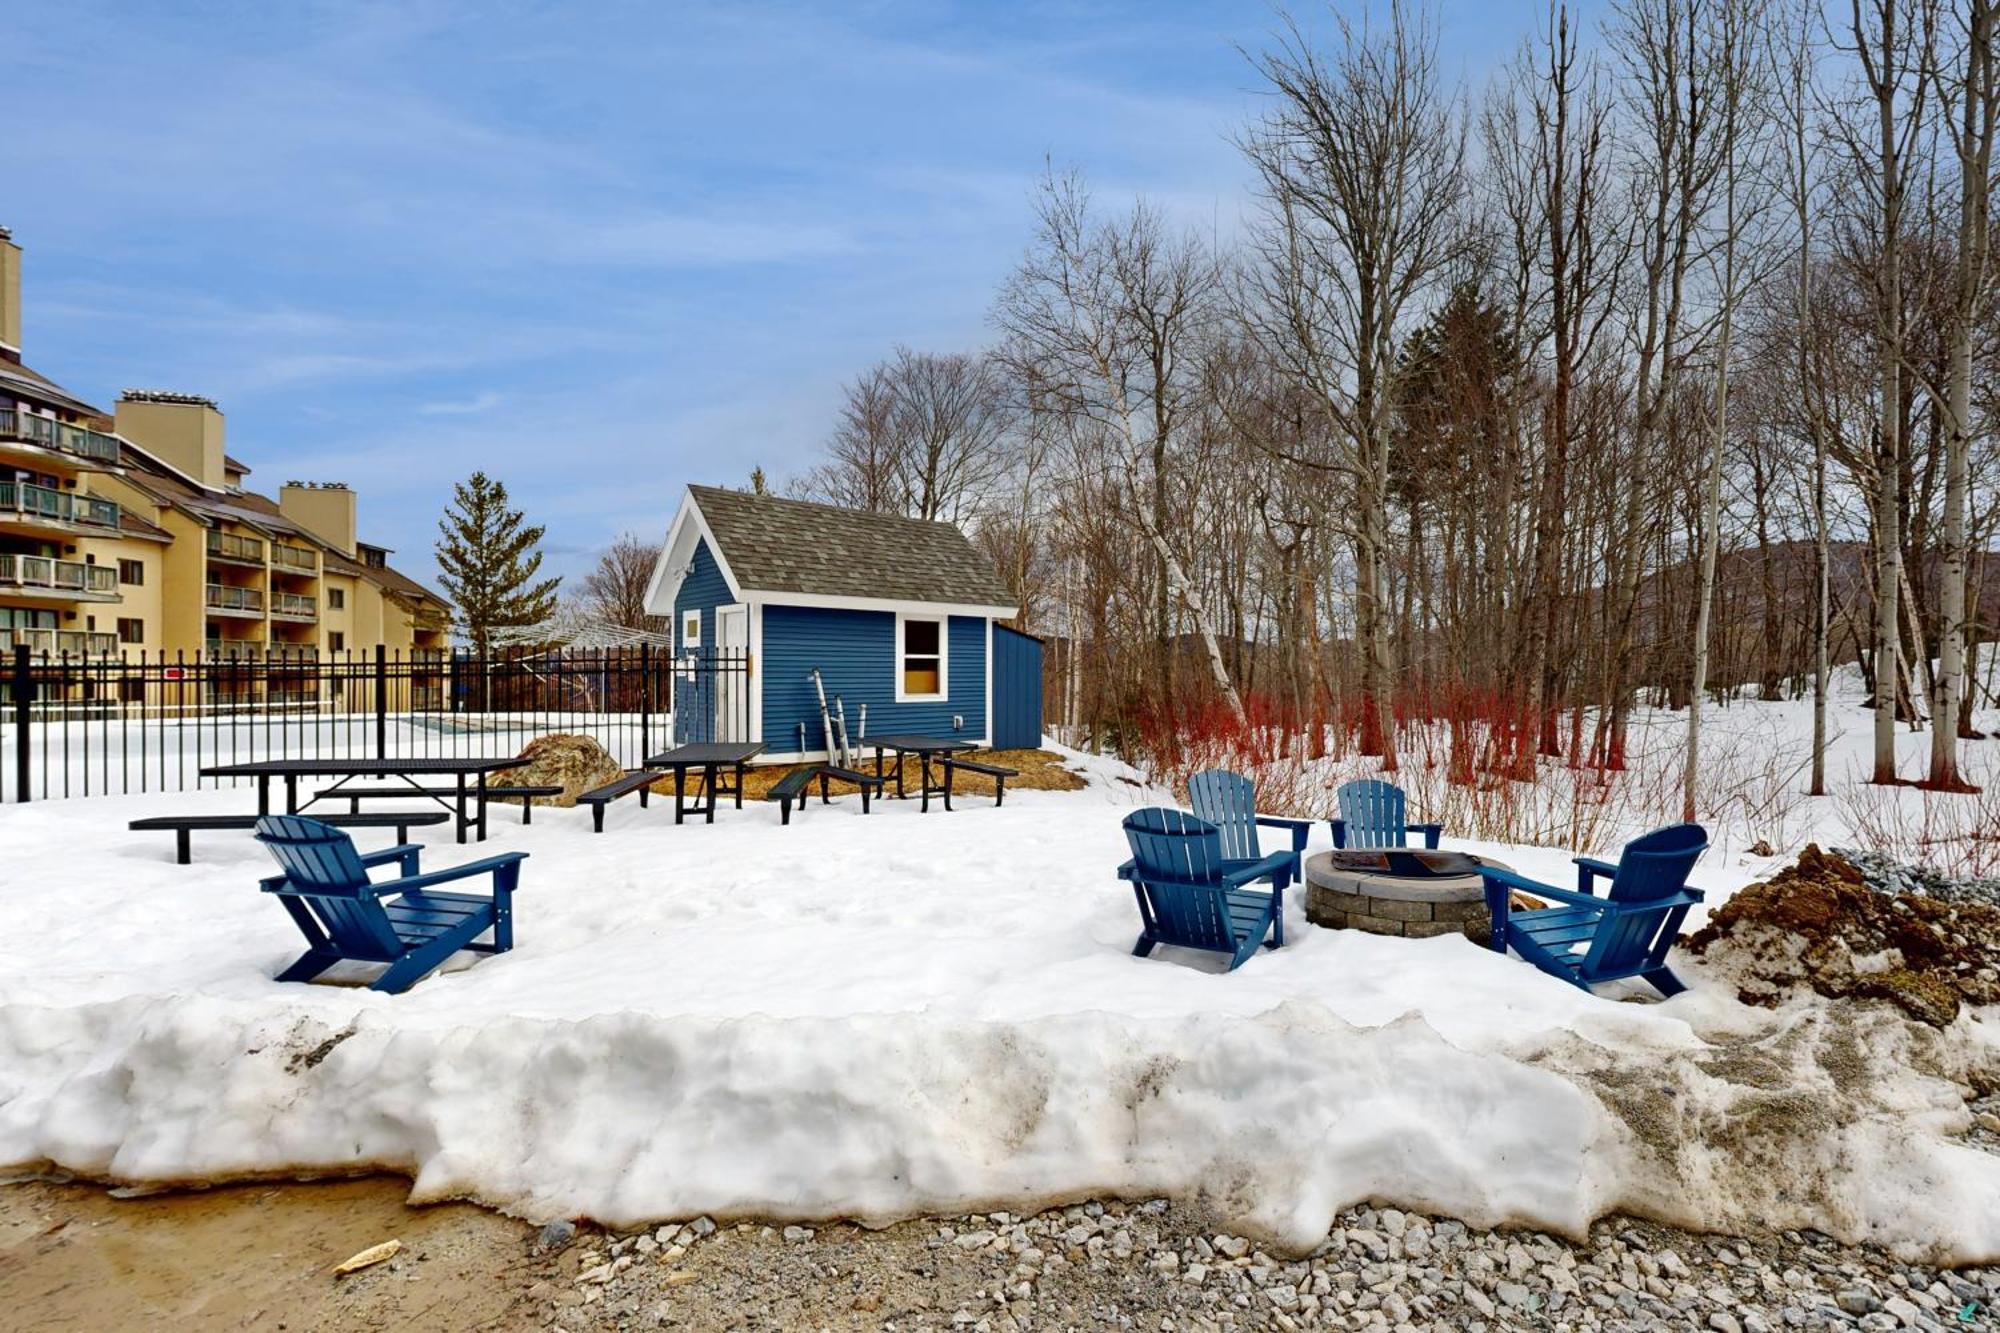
(10, 293)
(323, 508)
(181, 429)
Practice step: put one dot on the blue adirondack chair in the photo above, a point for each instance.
(1191, 895)
(1373, 814)
(400, 922)
(1229, 801)
(1626, 933)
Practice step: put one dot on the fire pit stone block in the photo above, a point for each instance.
(1343, 898)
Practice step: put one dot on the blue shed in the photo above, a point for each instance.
(896, 614)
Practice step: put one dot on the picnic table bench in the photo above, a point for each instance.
(794, 787)
(640, 780)
(354, 796)
(184, 826)
(952, 763)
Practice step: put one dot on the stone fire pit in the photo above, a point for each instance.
(1396, 892)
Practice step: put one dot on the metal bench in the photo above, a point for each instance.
(640, 780)
(795, 785)
(952, 763)
(354, 796)
(184, 826)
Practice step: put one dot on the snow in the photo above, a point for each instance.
(885, 1016)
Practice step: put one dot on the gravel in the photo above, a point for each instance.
(1885, 874)
(1160, 1266)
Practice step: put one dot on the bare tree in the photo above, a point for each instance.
(614, 591)
(1730, 37)
(1971, 102)
(1361, 165)
(1113, 320)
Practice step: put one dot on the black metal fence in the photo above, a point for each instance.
(108, 726)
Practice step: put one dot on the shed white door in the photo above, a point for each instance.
(732, 679)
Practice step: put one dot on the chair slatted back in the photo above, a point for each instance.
(1179, 862)
(320, 862)
(1228, 801)
(1652, 867)
(1375, 812)
(1656, 864)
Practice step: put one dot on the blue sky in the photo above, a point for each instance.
(600, 250)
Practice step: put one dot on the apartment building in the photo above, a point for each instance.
(136, 531)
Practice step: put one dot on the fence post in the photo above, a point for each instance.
(381, 702)
(24, 694)
(645, 700)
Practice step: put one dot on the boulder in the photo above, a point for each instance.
(574, 763)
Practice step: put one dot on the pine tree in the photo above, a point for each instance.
(487, 561)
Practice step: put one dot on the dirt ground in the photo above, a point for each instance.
(256, 1257)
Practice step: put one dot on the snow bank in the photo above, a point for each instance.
(876, 1017)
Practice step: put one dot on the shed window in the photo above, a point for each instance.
(922, 659)
(691, 629)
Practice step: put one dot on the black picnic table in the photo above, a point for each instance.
(469, 775)
(711, 757)
(925, 748)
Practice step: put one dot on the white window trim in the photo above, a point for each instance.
(944, 660)
(687, 642)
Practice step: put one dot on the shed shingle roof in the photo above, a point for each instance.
(774, 545)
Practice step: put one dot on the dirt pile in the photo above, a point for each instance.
(574, 763)
(1817, 923)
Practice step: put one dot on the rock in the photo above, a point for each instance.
(798, 1235)
(703, 1226)
(555, 1235)
(561, 759)
(1857, 1302)
(1723, 1322)
(1513, 1294)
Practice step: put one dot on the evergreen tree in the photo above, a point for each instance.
(487, 561)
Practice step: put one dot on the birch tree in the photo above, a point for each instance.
(1968, 97)
(1114, 321)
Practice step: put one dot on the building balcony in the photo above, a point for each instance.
(227, 601)
(294, 606)
(63, 580)
(17, 427)
(294, 559)
(60, 642)
(41, 506)
(232, 650)
(235, 550)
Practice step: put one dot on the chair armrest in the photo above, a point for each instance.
(485, 865)
(1275, 863)
(1431, 832)
(1513, 880)
(1587, 866)
(1301, 829)
(1129, 872)
(1339, 832)
(408, 853)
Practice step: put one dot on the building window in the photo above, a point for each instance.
(335, 640)
(132, 572)
(922, 653)
(691, 629)
(131, 630)
(336, 599)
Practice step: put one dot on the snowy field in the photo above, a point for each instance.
(883, 1016)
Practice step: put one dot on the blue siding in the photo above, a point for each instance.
(704, 589)
(695, 694)
(855, 652)
(1017, 690)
